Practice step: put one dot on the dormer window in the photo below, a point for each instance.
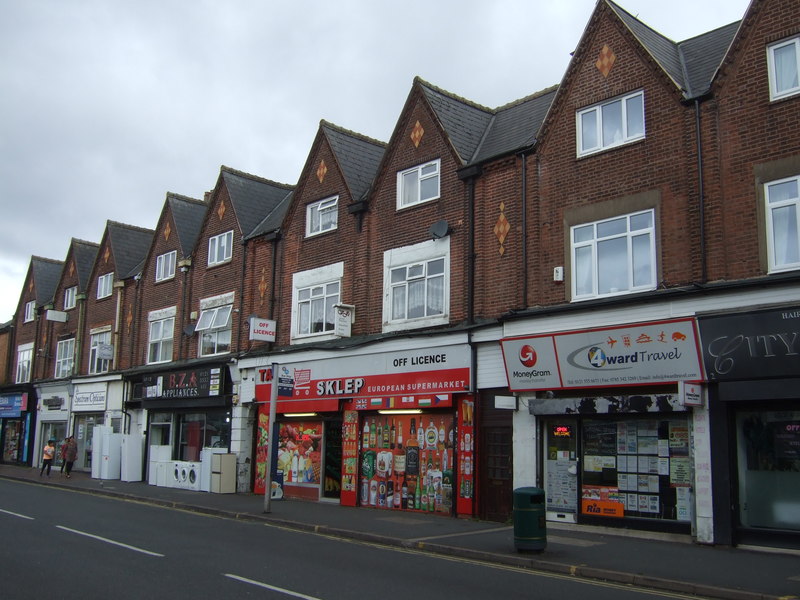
(322, 216)
(418, 184)
(611, 124)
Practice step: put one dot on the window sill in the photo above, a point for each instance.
(610, 148)
(220, 264)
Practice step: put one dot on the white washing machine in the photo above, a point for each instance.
(186, 475)
(193, 476)
(179, 475)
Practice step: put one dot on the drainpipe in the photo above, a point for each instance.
(524, 223)
(469, 175)
(184, 266)
(701, 192)
(241, 298)
(120, 285)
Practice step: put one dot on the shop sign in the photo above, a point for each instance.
(647, 353)
(428, 375)
(10, 406)
(691, 393)
(54, 403)
(190, 383)
(602, 508)
(750, 345)
(262, 329)
(89, 401)
(344, 315)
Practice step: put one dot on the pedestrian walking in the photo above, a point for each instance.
(71, 454)
(48, 454)
(62, 453)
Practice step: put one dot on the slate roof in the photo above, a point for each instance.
(46, 273)
(188, 214)
(254, 199)
(358, 156)
(515, 126)
(130, 245)
(464, 122)
(690, 64)
(84, 254)
(274, 220)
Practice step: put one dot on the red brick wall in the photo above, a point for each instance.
(53, 331)
(100, 312)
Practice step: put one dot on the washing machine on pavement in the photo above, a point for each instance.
(186, 475)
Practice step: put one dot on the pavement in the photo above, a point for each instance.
(664, 562)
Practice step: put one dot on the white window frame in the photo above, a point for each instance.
(65, 358)
(105, 285)
(70, 297)
(30, 311)
(321, 280)
(98, 365)
(215, 326)
(626, 137)
(159, 346)
(790, 227)
(309, 301)
(24, 360)
(418, 254)
(165, 265)
(322, 216)
(772, 68)
(632, 235)
(220, 248)
(426, 172)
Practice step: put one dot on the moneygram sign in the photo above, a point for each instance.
(656, 352)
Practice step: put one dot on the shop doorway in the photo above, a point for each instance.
(561, 470)
(497, 475)
(332, 484)
(84, 434)
(53, 430)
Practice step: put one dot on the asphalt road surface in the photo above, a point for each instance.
(62, 544)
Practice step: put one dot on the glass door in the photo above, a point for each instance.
(54, 430)
(561, 469)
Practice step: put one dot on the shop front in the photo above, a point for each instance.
(609, 408)
(387, 430)
(188, 420)
(89, 403)
(16, 428)
(753, 366)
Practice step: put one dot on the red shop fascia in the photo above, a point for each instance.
(397, 437)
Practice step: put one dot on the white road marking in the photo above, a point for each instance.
(270, 587)
(108, 541)
(13, 514)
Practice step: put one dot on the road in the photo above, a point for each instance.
(58, 543)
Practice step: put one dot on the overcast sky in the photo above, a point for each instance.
(105, 106)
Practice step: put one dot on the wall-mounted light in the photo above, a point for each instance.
(401, 411)
(310, 414)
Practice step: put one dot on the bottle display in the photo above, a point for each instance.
(407, 462)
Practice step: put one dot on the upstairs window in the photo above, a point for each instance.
(215, 327)
(100, 352)
(165, 266)
(24, 358)
(783, 224)
(30, 311)
(322, 216)
(417, 185)
(611, 124)
(614, 256)
(65, 355)
(160, 345)
(418, 290)
(104, 285)
(220, 248)
(315, 308)
(70, 297)
(783, 60)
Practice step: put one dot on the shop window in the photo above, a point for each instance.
(768, 457)
(636, 468)
(202, 430)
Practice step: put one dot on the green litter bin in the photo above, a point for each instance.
(530, 532)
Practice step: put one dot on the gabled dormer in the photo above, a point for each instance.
(618, 193)
(119, 261)
(63, 326)
(324, 245)
(30, 336)
(237, 206)
(419, 223)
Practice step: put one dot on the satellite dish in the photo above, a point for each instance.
(439, 229)
(188, 331)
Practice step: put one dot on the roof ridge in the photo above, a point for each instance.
(233, 171)
(529, 97)
(699, 35)
(45, 259)
(468, 102)
(176, 196)
(351, 133)
(615, 6)
(85, 242)
(129, 226)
